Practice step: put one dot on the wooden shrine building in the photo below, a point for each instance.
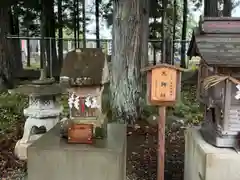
(217, 42)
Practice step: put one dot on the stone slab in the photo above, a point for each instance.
(206, 162)
(52, 158)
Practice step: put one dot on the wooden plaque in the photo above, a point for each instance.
(80, 133)
(163, 84)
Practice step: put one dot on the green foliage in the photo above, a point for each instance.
(11, 109)
(64, 102)
(188, 107)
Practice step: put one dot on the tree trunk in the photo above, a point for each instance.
(211, 8)
(42, 42)
(50, 32)
(75, 23)
(174, 29)
(168, 49)
(7, 63)
(130, 31)
(60, 33)
(227, 8)
(78, 24)
(97, 23)
(14, 26)
(184, 34)
(84, 23)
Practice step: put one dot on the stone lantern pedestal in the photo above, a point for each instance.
(42, 114)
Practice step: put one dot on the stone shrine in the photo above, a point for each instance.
(84, 73)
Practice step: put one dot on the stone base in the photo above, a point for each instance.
(52, 158)
(211, 135)
(21, 148)
(206, 162)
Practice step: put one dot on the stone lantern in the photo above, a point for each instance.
(84, 73)
(42, 113)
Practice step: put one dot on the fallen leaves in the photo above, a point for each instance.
(8, 161)
(142, 152)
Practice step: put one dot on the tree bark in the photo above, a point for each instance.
(227, 8)
(84, 23)
(211, 8)
(7, 63)
(14, 30)
(174, 29)
(130, 31)
(50, 44)
(60, 33)
(75, 23)
(184, 34)
(97, 23)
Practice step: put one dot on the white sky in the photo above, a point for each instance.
(105, 32)
(235, 13)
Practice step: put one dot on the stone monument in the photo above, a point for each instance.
(84, 74)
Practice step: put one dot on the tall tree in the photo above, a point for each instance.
(84, 23)
(60, 32)
(174, 28)
(49, 32)
(184, 33)
(211, 8)
(7, 61)
(130, 29)
(97, 3)
(227, 8)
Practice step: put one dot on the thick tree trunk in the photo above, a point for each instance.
(50, 32)
(60, 33)
(184, 34)
(14, 26)
(211, 8)
(7, 63)
(227, 8)
(97, 23)
(84, 23)
(130, 31)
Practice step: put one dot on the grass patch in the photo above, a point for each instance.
(11, 109)
(187, 107)
(12, 105)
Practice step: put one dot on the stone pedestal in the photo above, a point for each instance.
(43, 114)
(206, 162)
(52, 158)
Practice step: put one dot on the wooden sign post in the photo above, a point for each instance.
(162, 90)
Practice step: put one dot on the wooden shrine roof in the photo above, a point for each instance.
(217, 42)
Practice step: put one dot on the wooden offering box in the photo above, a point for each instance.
(163, 84)
(80, 133)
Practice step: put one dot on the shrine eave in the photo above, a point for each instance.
(218, 50)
